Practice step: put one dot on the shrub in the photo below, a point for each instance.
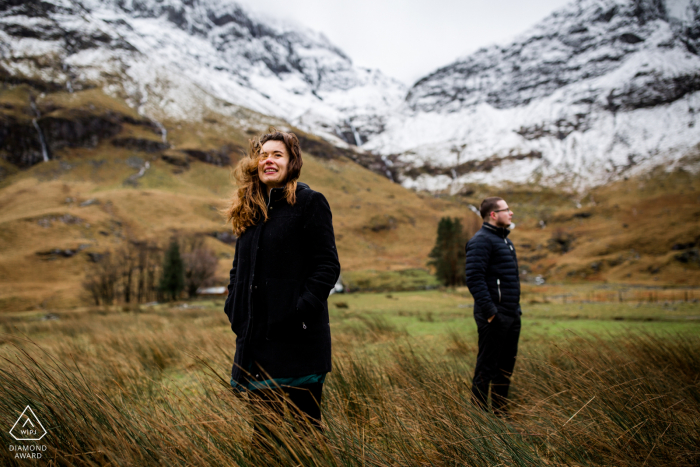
(448, 254)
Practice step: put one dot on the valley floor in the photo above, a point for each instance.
(599, 381)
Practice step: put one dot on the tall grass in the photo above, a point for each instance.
(152, 388)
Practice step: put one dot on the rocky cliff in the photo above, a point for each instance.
(180, 59)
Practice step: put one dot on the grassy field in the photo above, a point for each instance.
(596, 383)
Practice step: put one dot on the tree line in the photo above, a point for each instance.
(143, 271)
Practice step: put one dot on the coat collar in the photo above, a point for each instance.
(500, 231)
(278, 193)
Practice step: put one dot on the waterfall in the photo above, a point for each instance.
(163, 131)
(66, 70)
(143, 169)
(388, 163)
(44, 152)
(355, 134)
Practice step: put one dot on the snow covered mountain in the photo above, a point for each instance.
(179, 59)
(598, 89)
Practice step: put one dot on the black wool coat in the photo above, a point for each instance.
(492, 272)
(283, 271)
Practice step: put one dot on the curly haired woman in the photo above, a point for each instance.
(284, 267)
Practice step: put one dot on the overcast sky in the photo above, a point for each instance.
(408, 39)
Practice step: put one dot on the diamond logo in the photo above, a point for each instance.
(28, 427)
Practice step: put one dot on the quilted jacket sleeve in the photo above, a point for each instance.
(479, 251)
(323, 256)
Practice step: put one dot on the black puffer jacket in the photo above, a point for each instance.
(283, 271)
(492, 272)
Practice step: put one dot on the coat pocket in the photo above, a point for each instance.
(281, 296)
(235, 317)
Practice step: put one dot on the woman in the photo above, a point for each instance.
(283, 270)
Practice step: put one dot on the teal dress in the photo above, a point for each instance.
(279, 382)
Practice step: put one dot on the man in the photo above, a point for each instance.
(493, 280)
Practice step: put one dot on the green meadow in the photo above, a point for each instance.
(436, 313)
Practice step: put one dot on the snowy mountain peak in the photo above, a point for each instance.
(171, 58)
(587, 40)
(596, 89)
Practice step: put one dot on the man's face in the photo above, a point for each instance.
(502, 215)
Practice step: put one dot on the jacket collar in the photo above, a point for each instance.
(278, 193)
(500, 231)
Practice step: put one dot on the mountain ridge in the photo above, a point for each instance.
(167, 59)
(597, 90)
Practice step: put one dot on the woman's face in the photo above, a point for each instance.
(273, 164)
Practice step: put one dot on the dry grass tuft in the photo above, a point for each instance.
(150, 388)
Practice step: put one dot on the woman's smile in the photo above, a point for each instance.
(273, 163)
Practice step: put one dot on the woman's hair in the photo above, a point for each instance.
(249, 206)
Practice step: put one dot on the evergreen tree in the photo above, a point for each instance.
(448, 256)
(172, 282)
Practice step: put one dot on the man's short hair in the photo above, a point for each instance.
(488, 206)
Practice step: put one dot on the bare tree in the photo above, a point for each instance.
(126, 275)
(146, 271)
(131, 273)
(200, 263)
(128, 256)
(102, 279)
(200, 269)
